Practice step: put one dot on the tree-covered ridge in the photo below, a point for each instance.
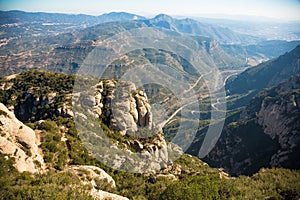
(37, 95)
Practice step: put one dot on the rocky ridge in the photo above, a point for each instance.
(117, 105)
(37, 99)
(19, 141)
(126, 111)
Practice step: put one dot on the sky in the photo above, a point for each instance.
(278, 9)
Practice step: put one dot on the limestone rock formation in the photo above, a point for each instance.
(88, 173)
(18, 141)
(125, 113)
(100, 194)
(123, 106)
(98, 179)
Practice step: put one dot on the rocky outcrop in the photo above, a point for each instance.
(98, 179)
(129, 139)
(100, 194)
(122, 106)
(92, 174)
(18, 141)
(280, 118)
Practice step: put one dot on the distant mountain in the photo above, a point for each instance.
(190, 26)
(16, 24)
(119, 16)
(60, 42)
(43, 23)
(66, 51)
(15, 16)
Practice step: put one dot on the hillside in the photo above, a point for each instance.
(265, 135)
(265, 75)
(262, 122)
(66, 158)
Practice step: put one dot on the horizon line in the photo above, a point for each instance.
(235, 17)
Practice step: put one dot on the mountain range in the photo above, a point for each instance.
(62, 45)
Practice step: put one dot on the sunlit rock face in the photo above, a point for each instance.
(123, 106)
(19, 141)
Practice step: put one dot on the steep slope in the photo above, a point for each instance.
(20, 143)
(265, 135)
(267, 74)
(261, 128)
(122, 110)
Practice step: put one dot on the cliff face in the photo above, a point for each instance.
(49, 95)
(123, 108)
(266, 134)
(279, 117)
(126, 112)
(19, 141)
(45, 102)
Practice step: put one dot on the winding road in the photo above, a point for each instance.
(213, 105)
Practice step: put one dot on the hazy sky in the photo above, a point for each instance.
(280, 9)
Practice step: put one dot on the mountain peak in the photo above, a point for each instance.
(122, 15)
(164, 17)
